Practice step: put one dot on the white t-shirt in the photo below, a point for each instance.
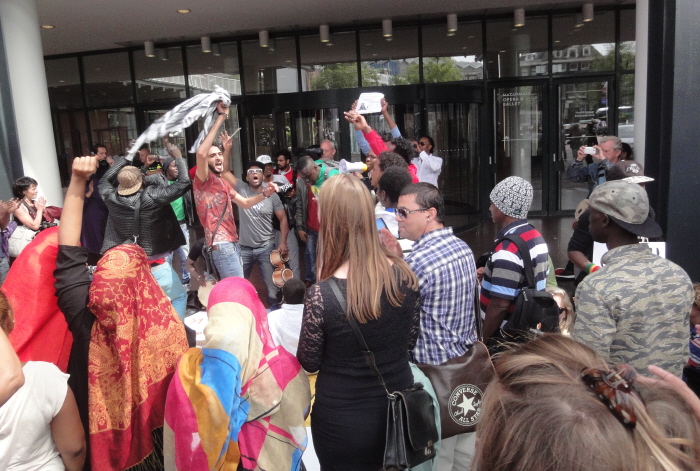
(25, 436)
(285, 326)
(429, 167)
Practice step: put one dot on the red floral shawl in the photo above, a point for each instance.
(135, 345)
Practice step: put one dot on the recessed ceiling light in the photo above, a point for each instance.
(471, 37)
(184, 11)
(61, 81)
(374, 55)
(48, 26)
(97, 68)
(503, 51)
(557, 41)
(289, 62)
(368, 44)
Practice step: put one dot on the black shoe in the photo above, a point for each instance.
(563, 273)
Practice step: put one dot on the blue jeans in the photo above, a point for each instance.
(183, 251)
(310, 255)
(168, 280)
(4, 268)
(227, 259)
(261, 256)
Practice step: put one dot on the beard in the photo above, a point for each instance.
(213, 169)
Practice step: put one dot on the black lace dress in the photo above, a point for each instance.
(348, 420)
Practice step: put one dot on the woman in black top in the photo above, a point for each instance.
(31, 209)
(348, 420)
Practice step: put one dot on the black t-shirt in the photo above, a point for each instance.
(581, 240)
(196, 250)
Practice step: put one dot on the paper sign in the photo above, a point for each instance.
(369, 103)
(658, 248)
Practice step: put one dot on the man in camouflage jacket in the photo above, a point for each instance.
(635, 309)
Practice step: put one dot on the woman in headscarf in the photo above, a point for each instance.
(127, 340)
(240, 401)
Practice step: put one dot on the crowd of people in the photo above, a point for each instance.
(597, 385)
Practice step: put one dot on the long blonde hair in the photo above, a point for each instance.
(349, 233)
(539, 414)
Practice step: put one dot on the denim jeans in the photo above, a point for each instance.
(293, 246)
(227, 259)
(168, 280)
(310, 255)
(183, 251)
(261, 256)
(4, 268)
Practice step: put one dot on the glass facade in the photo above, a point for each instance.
(444, 82)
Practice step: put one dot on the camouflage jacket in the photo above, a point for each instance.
(636, 310)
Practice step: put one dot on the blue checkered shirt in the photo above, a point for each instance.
(446, 274)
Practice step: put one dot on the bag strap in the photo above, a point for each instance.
(369, 356)
(525, 254)
(221, 218)
(137, 217)
(477, 314)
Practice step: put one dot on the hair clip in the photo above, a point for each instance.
(615, 389)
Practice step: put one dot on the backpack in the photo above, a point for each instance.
(536, 312)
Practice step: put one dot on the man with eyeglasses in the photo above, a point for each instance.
(429, 166)
(446, 272)
(214, 193)
(311, 175)
(257, 236)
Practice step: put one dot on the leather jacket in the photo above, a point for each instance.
(159, 231)
(160, 179)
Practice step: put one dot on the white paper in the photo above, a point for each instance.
(658, 248)
(369, 103)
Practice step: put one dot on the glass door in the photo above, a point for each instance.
(582, 120)
(519, 124)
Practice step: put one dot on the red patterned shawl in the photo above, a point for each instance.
(135, 345)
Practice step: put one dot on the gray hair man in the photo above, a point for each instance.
(607, 152)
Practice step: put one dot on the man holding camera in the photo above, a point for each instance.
(607, 152)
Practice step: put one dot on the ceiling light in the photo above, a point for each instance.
(61, 81)
(163, 54)
(557, 40)
(206, 44)
(48, 26)
(519, 17)
(325, 33)
(184, 10)
(387, 30)
(264, 38)
(150, 48)
(216, 49)
(471, 37)
(451, 24)
(587, 12)
(578, 20)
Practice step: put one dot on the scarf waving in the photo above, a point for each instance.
(240, 398)
(136, 342)
(41, 332)
(183, 116)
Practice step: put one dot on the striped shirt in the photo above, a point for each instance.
(504, 275)
(446, 272)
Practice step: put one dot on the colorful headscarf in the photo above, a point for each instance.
(240, 398)
(41, 332)
(136, 342)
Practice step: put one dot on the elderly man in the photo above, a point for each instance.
(607, 152)
(328, 148)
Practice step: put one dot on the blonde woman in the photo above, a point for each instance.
(567, 315)
(557, 405)
(348, 420)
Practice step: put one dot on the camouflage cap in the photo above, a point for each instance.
(627, 205)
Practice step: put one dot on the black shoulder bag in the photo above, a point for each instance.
(536, 312)
(410, 424)
(207, 249)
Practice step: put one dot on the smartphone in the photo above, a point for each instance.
(590, 150)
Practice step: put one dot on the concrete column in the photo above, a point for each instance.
(641, 61)
(30, 96)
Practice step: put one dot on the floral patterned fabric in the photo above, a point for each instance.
(136, 341)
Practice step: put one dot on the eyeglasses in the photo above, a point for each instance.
(254, 170)
(403, 213)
